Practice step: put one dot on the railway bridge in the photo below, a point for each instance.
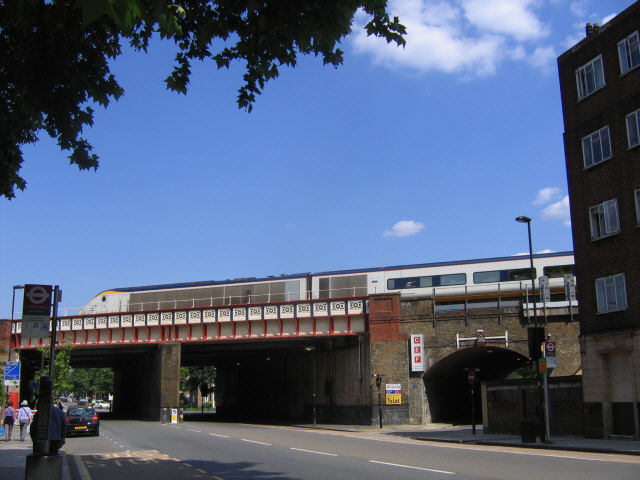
(300, 359)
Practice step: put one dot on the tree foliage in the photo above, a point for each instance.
(89, 382)
(201, 379)
(61, 369)
(55, 54)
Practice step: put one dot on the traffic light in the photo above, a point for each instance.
(535, 338)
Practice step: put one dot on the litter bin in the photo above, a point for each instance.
(528, 430)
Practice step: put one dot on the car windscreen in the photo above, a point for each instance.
(80, 411)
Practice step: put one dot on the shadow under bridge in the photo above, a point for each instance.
(448, 388)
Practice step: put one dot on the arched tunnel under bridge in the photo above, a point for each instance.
(448, 389)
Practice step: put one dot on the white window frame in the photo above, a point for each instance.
(629, 52)
(604, 219)
(611, 293)
(633, 127)
(593, 146)
(590, 73)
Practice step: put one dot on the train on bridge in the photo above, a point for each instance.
(472, 283)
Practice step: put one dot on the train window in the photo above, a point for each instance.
(427, 281)
(496, 276)
(399, 283)
(520, 274)
(486, 277)
(453, 279)
(342, 286)
(558, 271)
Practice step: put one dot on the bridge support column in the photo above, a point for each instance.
(149, 383)
(389, 358)
(165, 374)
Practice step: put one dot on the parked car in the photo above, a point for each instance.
(102, 404)
(82, 420)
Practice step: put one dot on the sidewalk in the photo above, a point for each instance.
(463, 435)
(13, 458)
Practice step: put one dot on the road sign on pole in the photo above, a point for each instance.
(36, 308)
(471, 377)
(11, 374)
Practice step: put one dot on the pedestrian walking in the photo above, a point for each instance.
(24, 417)
(9, 417)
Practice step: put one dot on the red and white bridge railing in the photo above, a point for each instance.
(273, 320)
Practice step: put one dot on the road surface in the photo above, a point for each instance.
(132, 450)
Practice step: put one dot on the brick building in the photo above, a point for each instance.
(600, 88)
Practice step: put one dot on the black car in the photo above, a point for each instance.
(82, 420)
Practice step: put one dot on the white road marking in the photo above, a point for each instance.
(254, 441)
(445, 472)
(218, 435)
(313, 451)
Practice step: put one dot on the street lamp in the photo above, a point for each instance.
(313, 367)
(527, 220)
(536, 343)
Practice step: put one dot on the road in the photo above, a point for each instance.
(129, 450)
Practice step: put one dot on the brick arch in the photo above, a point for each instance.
(447, 387)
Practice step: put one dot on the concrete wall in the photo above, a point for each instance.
(612, 385)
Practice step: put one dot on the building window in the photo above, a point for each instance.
(611, 293)
(629, 52)
(637, 195)
(590, 77)
(633, 128)
(604, 219)
(596, 147)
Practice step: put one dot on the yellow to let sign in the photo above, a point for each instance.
(394, 399)
(542, 365)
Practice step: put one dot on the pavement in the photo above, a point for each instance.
(13, 458)
(463, 434)
(13, 454)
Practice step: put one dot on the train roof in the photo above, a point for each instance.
(213, 283)
(447, 264)
(205, 283)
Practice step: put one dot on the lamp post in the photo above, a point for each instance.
(313, 368)
(527, 220)
(536, 349)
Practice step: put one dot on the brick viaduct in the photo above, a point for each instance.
(287, 377)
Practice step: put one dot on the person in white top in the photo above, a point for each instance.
(24, 417)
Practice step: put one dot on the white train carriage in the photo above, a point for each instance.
(474, 279)
(470, 281)
(200, 294)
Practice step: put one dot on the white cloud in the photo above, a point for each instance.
(546, 250)
(547, 194)
(460, 36)
(544, 58)
(404, 228)
(559, 211)
(509, 17)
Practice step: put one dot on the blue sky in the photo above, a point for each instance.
(400, 156)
